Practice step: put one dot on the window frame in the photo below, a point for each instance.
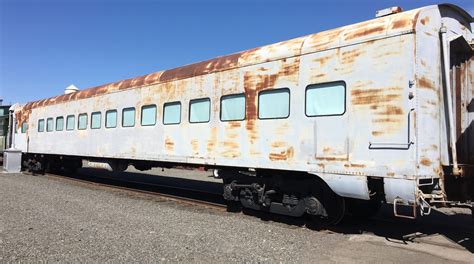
(78, 121)
(24, 125)
(52, 125)
(323, 83)
(73, 122)
(39, 121)
(141, 114)
(245, 107)
(134, 115)
(100, 121)
(180, 112)
(116, 118)
(269, 91)
(56, 124)
(189, 112)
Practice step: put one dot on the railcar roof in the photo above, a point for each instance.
(400, 23)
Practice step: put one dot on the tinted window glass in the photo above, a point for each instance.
(82, 121)
(233, 107)
(111, 119)
(274, 104)
(23, 127)
(96, 118)
(172, 113)
(326, 99)
(49, 124)
(128, 117)
(41, 125)
(70, 122)
(59, 123)
(199, 110)
(148, 115)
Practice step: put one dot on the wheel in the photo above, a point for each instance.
(334, 205)
(234, 206)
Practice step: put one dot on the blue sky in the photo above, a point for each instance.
(46, 45)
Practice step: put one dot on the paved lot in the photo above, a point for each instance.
(51, 220)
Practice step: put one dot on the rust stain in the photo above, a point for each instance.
(211, 143)
(423, 82)
(425, 20)
(390, 110)
(327, 150)
(377, 133)
(332, 158)
(403, 23)
(321, 165)
(195, 146)
(169, 144)
(283, 155)
(279, 144)
(390, 174)
(365, 31)
(423, 63)
(425, 162)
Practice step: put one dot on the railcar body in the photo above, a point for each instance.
(367, 110)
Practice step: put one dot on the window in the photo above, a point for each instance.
(172, 113)
(70, 122)
(82, 121)
(49, 124)
(128, 117)
(199, 110)
(233, 107)
(23, 127)
(274, 104)
(111, 119)
(59, 123)
(96, 118)
(148, 115)
(41, 125)
(326, 99)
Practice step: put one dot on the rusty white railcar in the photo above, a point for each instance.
(378, 111)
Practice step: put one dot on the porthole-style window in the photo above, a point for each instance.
(41, 125)
(172, 113)
(128, 117)
(326, 99)
(59, 123)
(82, 121)
(111, 119)
(233, 107)
(70, 120)
(148, 115)
(199, 110)
(96, 119)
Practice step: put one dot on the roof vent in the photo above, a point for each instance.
(388, 11)
(71, 89)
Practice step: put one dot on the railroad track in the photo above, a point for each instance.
(172, 193)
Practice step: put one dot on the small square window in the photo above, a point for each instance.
(96, 119)
(233, 107)
(148, 115)
(24, 126)
(82, 121)
(326, 99)
(128, 117)
(59, 123)
(70, 120)
(49, 124)
(41, 125)
(111, 119)
(274, 104)
(199, 110)
(172, 113)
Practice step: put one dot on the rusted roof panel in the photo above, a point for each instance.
(379, 27)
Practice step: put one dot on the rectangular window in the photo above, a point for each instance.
(273, 104)
(172, 113)
(70, 122)
(199, 110)
(96, 118)
(233, 107)
(82, 121)
(111, 119)
(148, 115)
(24, 126)
(41, 125)
(49, 124)
(59, 123)
(128, 117)
(326, 99)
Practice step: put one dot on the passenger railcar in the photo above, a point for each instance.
(378, 111)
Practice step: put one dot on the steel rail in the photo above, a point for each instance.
(124, 186)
